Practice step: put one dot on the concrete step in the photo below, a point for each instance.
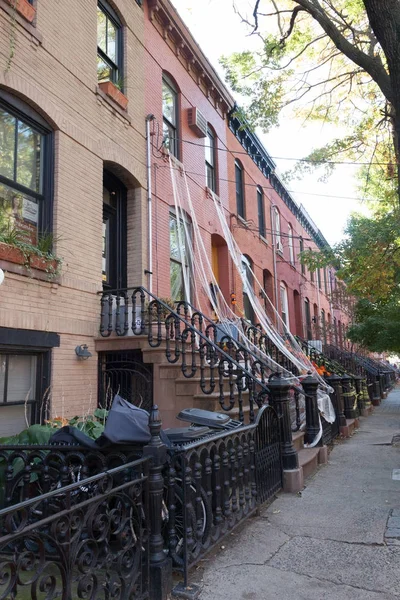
(308, 459)
(298, 440)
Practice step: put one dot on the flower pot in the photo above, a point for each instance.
(43, 264)
(111, 90)
(12, 254)
(24, 8)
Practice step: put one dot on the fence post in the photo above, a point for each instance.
(310, 387)
(336, 383)
(160, 583)
(349, 398)
(280, 400)
(360, 399)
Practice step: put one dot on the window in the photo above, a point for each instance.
(25, 171)
(284, 305)
(239, 189)
(210, 161)
(277, 218)
(323, 321)
(170, 116)
(303, 267)
(291, 249)
(109, 45)
(248, 287)
(335, 330)
(307, 315)
(114, 233)
(20, 390)
(179, 259)
(326, 281)
(261, 212)
(319, 279)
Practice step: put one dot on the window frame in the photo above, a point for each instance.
(174, 148)
(117, 217)
(187, 265)
(211, 169)
(240, 196)
(42, 380)
(284, 304)
(277, 228)
(291, 245)
(117, 67)
(303, 267)
(261, 213)
(307, 319)
(24, 113)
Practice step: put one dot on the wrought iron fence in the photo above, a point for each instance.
(216, 483)
(88, 539)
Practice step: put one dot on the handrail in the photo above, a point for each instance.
(140, 312)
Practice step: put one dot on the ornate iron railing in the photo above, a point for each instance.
(216, 483)
(84, 540)
(189, 344)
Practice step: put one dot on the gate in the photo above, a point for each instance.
(124, 373)
(268, 461)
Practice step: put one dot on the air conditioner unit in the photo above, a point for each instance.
(279, 246)
(197, 122)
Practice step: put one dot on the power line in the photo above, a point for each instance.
(265, 187)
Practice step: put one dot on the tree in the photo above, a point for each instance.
(377, 325)
(335, 60)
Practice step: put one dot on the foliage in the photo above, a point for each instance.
(377, 325)
(12, 236)
(327, 61)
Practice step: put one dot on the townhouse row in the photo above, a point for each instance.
(95, 102)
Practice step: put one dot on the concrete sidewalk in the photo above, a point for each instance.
(327, 543)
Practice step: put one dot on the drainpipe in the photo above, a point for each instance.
(274, 261)
(149, 270)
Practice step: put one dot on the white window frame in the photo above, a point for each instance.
(284, 304)
(290, 243)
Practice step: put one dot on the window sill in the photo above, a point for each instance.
(280, 252)
(14, 261)
(264, 240)
(111, 91)
(24, 8)
(243, 221)
(21, 20)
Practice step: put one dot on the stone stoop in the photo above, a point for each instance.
(367, 411)
(298, 440)
(348, 429)
(308, 460)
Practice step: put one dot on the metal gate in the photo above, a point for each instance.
(268, 460)
(124, 373)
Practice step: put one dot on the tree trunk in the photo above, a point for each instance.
(384, 17)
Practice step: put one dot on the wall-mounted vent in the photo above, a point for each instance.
(197, 122)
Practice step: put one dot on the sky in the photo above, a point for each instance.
(219, 31)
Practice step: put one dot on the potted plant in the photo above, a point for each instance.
(114, 91)
(24, 8)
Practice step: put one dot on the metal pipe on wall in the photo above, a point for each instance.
(149, 270)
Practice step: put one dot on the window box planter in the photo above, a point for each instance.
(111, 90)
(15, 255)
(24, 8)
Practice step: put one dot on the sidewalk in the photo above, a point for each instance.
(327, 543)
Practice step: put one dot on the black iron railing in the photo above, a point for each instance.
(188, 342)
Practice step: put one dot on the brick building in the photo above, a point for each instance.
(74, 102)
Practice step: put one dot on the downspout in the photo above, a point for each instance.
(149, 270)
(274, 262)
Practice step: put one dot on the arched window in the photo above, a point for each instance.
(261, 212)
(170, 115)
(109, 45)
(25, 170)
(211, 163)
(240, 204)
(290, 242)
(284, 304)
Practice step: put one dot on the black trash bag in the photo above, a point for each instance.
(126, 424)
(72, 436)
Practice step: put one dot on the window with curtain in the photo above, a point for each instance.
(210, 147)
(109, 45)
(261, 212)
(284, 304)
(170, 116)
(18, 392)
(291, 245)
(179, 259)
(239, 190)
